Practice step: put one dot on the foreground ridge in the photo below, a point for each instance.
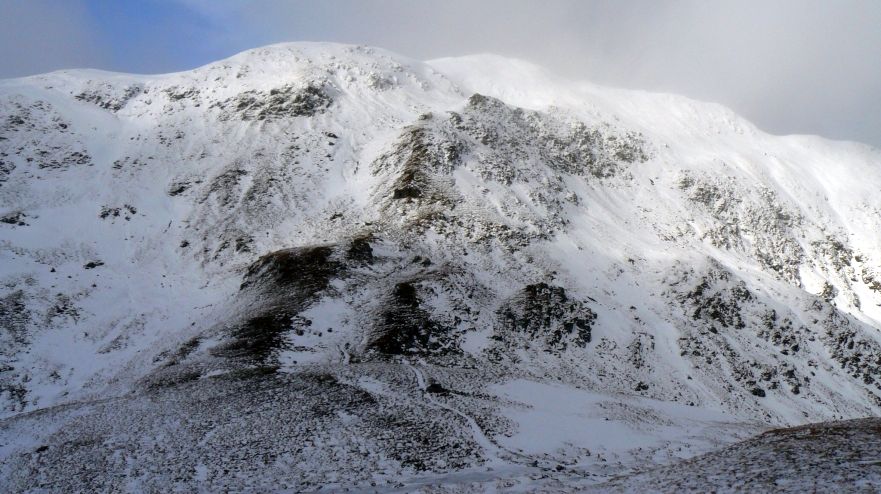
(827, 456)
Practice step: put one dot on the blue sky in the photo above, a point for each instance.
(151, 35)
(791, 66)
(144, 36)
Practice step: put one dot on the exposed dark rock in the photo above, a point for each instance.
(14, 318)
(545, 315)
(360, 250)
(858, 355)
(871, 280)
(6, 168)
(829, 292)
(832, 249)
(177, 93)
(16, 218)
(127, 211)
(288, 101)
(110, 97)
(717, 300)
(782, 332)
(178, 188)
(306, 270)
(275, 289)
(763, 217)
(436, 388)
(422, 158)
(46, 159)
(404, 327)
(574, 148)
(223, 186)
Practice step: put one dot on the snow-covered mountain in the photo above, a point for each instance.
(324, 266)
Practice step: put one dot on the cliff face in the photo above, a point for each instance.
(414, 269)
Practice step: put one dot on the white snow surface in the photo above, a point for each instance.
(596, 279)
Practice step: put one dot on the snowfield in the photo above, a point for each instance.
(324, 267)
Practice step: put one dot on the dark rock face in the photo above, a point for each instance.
(126, 211)
(782, 332)
(544, 314)
(280, 285)
(404, 327)
(421, 159)
(257, 337)
(501, 145)
(764, 217)
(360, 251)
(15, 321)
(728, 320)
(73, 158)
(16, 218)
(566, 147)
(35, 134)
(719, 307)
(110, 97)
(302, 269)
(275, 290)
(858, 355)
(14, 317)
(6, 168)
(413, 180)
(284, 102)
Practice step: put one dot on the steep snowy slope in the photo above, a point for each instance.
(338, 267)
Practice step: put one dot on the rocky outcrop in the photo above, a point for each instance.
(544, 315)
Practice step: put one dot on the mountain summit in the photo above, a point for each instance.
(325, 266)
